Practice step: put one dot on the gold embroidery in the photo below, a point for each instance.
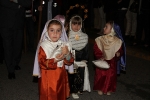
(77, 37)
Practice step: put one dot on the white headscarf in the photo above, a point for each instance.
(109, 44)
(36, 68)
(63, 35)
(78, 39)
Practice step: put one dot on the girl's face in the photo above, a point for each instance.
(107, 28)
(54, 32)
(76, 27)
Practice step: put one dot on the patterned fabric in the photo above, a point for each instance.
(79, 79)
(80, 43)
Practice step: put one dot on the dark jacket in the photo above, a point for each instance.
(11, 16)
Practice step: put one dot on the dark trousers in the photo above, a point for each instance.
(29, 24)
(71, 82)
(78, 80)
(12, 43)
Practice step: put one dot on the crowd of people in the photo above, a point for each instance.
(62, 49)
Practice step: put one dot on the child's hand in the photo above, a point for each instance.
(117, 54)
(59, 56)
(64, 50)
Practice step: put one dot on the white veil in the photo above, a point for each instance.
(36, 68)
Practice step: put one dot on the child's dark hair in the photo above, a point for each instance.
(77, 20)
(111, 22)
(54, 22)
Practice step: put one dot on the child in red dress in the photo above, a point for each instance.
(107, 47)
(53, 54)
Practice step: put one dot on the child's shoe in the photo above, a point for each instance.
(75, 96)
(108, 93)
(80, 92)
(100, 92)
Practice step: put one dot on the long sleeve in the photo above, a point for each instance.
(97, 52)
(69, 62)
(45, 63)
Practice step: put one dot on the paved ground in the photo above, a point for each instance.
(134, 85)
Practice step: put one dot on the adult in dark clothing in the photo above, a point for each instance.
(143, 23)
(12, 14)
(122, 6)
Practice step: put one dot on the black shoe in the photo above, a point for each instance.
(11, 76)
(17, 67)
(35, 79)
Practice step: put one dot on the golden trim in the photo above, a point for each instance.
(81, 7)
